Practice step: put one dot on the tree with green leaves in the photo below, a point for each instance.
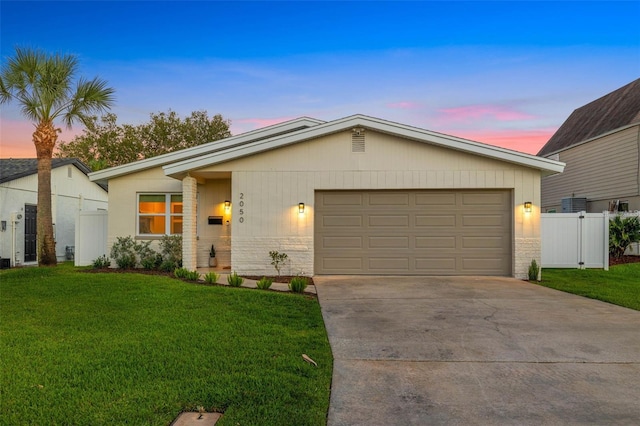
(47, 89)
(104, 143)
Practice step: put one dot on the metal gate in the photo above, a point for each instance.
(30, 233)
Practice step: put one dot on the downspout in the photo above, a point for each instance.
(13, 242)
(15, 218)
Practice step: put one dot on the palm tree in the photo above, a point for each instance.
(45, 86)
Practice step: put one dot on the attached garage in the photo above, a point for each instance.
(413, 232)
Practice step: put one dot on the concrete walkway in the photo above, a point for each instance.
(477, 350)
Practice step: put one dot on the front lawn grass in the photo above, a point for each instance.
(620, 285)
(105, 349)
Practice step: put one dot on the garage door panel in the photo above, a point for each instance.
(388, 264)
(342, 263)
(390, 242)
(342, 221)
(342, 242)
(435, 220)
(433, 232)
(435, 242)
(343, 199)
(389, 220)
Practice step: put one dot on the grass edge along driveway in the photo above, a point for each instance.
(619, 285)
(89, 349)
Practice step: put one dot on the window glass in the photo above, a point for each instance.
(152, 203)
(159, 214)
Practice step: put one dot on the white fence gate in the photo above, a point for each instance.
(91, 236)
(575, 240)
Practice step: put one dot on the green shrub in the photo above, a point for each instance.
(277, 259)
(102, 262)
(264, 283)
(152, 262)
(234, 280)
(168, 266)
(171, 249)
(123, 252)
(622, 232)
(534, 271)
(298, 284)
(211, 278)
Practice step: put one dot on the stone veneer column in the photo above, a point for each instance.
(189, 237)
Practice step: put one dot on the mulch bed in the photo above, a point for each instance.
(624, 260)
(286, 279)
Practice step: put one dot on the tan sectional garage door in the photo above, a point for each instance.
(413, 232)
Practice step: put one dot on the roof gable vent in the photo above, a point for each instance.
(357, 140)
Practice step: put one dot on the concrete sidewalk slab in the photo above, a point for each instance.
(477, 350)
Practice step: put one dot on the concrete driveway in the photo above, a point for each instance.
(477, 350)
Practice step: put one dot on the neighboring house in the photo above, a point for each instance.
(600, 144)
(358, 195)
(71, 191)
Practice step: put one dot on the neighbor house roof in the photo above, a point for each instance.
(615, 110)
(16, 168)
(180, 163)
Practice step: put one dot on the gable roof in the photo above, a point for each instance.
(207, 148)
(180, 163)
(547, 166)
(615, 110)
(16, 168)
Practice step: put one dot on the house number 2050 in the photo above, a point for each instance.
(241, 210)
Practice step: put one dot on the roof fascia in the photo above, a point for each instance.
(547, 166)
(610, 132)
(204, 149)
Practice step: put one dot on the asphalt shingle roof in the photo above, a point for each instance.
(16, 168)
(617, 109)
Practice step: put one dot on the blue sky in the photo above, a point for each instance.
(507, 73)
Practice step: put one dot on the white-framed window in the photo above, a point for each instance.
(159, 214)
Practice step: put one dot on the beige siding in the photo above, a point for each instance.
(601, 170)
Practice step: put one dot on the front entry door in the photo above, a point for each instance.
(30, 233)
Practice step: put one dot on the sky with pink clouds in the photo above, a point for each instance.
(506, 73)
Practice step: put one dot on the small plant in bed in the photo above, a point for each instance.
(264, 283)
(185, 274)
(211, 278)
(298, 284)
(234, 280)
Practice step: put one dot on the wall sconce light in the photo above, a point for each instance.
(527, 206)
(300, 207)
(227, 205)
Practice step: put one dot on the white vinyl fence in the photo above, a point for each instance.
(575, 240)
(91, 236)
